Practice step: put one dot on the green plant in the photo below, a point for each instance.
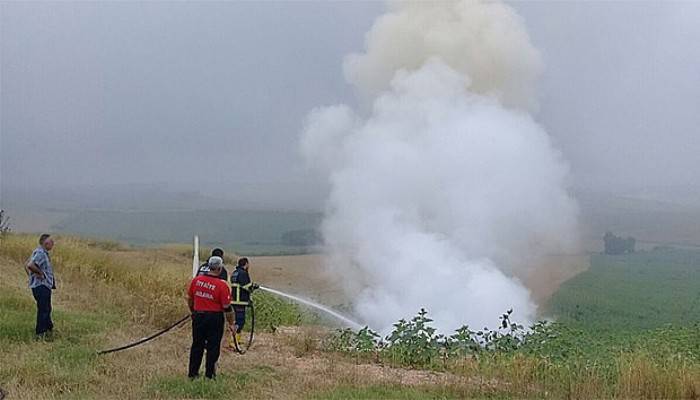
(416, 343)
(462, 343)
(271, 312)
(413, 342)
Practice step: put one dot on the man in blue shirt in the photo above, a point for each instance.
(41, 282)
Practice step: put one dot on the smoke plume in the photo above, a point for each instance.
(445, 185)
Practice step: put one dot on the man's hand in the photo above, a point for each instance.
(255, 286)
(34, 269)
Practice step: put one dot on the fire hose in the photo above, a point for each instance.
(241, 348)
(146, 339)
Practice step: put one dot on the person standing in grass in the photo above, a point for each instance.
(209, 300)
(42, 282)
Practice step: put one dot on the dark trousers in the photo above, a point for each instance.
(42, 295)
(239, 311)
(207, 331)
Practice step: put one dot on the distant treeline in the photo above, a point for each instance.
(249, 232)
(301, 237)
(617, 244)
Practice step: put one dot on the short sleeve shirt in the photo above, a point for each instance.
(41, 258)
(209, 294)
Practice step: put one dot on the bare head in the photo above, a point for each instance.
(243, 263)
(46, 241)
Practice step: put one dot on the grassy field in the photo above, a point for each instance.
(644, 290)
(109, 295)
(105, 299)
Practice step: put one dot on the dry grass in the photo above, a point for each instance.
(642, 378)
(121, 294)
(109, 295)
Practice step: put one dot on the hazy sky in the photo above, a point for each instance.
(110, 93)
(621, 89)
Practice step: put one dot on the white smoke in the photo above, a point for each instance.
(448, 184)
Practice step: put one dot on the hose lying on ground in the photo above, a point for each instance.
(146, 339)
(239, 346)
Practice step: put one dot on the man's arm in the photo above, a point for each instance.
(33, 267)
(245, 278)
(190, 296)
(190, 304)
(226, 305)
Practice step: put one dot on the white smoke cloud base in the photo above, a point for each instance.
(448, 184)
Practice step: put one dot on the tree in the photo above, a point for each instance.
(617, 244)
(301, 237)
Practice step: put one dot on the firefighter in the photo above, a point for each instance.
(204, 268)
(241, 288)
(209, 300)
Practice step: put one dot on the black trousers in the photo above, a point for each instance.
(207, 331)
(42, 295)
(240, 317)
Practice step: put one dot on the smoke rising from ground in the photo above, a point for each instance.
(447, 185)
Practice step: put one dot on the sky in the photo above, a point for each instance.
(214, 95)
(620, 92)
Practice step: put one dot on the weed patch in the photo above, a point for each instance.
(374, 392)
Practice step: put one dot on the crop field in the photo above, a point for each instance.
(644, 290)
(247, 232)
(106, 298)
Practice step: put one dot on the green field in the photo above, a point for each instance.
(626, 328)
(644, 290)
(245, 232)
